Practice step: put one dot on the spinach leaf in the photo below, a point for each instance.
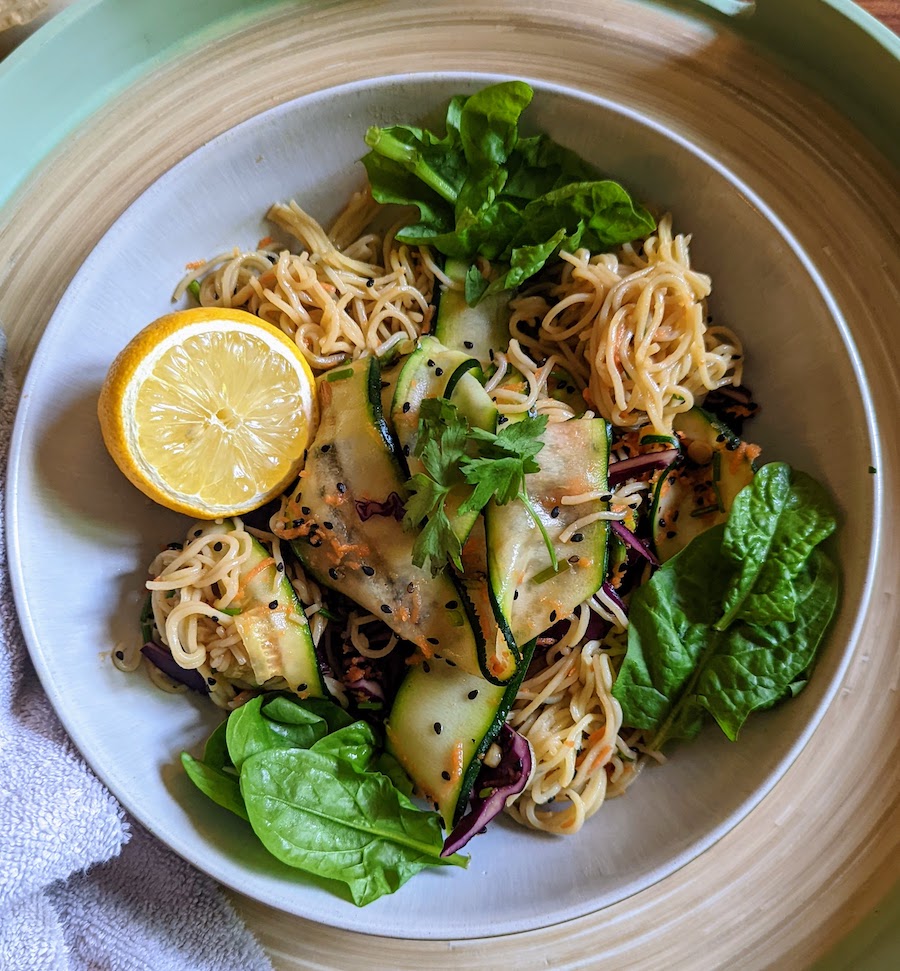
(294, 711)
(757, 665)
(355, 744)
(249, 731)
(216, 751)
(483, 191)
(387, 765)
(682, 666)
(219, 785)
(669, 634)
(318, 813)
(773, 526)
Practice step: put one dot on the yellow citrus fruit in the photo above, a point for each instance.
(209, 411)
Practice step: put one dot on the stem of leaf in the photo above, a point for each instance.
(411, 158)
(537, 521)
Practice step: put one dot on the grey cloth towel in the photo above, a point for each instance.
(81, 885)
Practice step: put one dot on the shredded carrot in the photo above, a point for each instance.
(456, 769)
(330, 287)
(569, 743)
(194, 264)
(266, 278)
(264, 242)
(262, 565)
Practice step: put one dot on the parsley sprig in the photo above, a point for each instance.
(457, 456)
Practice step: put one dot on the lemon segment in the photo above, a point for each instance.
(209, 411)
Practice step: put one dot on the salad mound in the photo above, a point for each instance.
(527, 548)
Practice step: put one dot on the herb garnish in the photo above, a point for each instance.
(456, 456)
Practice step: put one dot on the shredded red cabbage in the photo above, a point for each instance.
(392, 506)
(626, 469)
(492, 788)
(632, 541)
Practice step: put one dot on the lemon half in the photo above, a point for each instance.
(209, 411)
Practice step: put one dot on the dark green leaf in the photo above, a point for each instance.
(489, 120)
(220, 786)
(216, 751)
(387, 765)
(774, 524)
(354, 744)
(297, 711)
(249, 731)
(317, 813)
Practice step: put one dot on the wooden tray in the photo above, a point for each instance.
(821, 851)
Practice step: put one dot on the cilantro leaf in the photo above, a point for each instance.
(441, 443)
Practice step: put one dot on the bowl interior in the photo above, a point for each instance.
(66, 496)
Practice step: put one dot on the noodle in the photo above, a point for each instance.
(638, 323)
(335, 302)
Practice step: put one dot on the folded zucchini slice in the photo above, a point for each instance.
(442, 722)
(343, 523)
(697, 493)
(528, 594)
(480, 331)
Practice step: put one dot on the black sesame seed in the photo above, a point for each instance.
(671, 534)
(369, 571)
(515, 594)
(426, 667)
(451, 604)
(217, 546)
(174, 546)
(491, 353)
(304, 510)
(720, 438)
(662, 523)
(410, 587)
(430, 363)
(332, 573)
(325, 448)
(385, 609)
(432, 640)
(482, 831)
(406, 407)
(606, 497)
(210, 681)
(675, 515)
(502, 420)
(473, 694)
(574, 558)
(438, 657)
(468, 345)
(273, 605)
(302, 687)
(406, 450)
(451, 664)
(216, 620)
(279, 568)
(370, 282)
(438, 371)
(385, 384)
(120, 655)
(732, 446)
(341, 488)
(438, 728)
(552, 616)
(328, 525)
(577, 537)
(198, 532)
(445, 775)
(554, 512)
